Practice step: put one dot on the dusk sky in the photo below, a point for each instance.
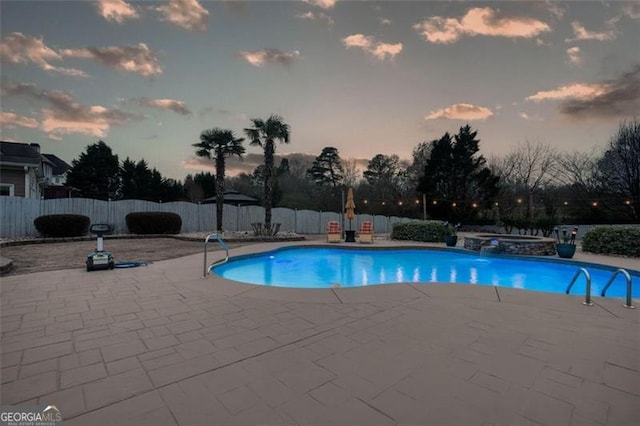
(365, 77)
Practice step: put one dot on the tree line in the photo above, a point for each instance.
(446, 178)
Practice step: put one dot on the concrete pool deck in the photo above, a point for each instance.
(161, 345)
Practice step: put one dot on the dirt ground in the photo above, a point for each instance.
(54, 256)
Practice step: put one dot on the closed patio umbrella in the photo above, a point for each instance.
(351, 214)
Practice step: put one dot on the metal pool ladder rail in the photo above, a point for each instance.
(628, 305)
(587, 300)
(222, 244)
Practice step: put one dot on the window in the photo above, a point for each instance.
(6, 189)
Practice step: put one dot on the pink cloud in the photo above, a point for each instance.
(138, 59)
(575, 55)
(320, 17)
(461, 112)
(18, 48)
(9, 119)
(478, 21)
(116, 10)
(324, 4)
(581, 33)
(62, 114)
(570, 91)
(169, 104)
(186, 14)
(269, 56)
(368, 43)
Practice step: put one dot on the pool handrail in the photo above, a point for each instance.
(587, 300)
(628, 303)
(222, 244)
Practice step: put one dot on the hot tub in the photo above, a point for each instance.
(512, 244)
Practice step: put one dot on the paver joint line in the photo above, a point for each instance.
(497, 293)
(376, 409)
(336, 295)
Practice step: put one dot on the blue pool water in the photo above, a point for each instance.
(312, 267)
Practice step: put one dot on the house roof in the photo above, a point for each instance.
(19, 153)
(23, 154)
(59, 165)
(233, 197)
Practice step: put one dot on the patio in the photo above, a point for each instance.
(162, 345)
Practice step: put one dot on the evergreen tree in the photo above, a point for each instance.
(456, 181)
(327, 168)
(96, 172)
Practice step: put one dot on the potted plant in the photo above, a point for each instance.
(567, 248)
(451, 234)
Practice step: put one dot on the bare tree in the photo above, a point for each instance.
(528, 169)
(618, 171)
(352, 175)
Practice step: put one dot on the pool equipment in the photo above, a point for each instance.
(100, 259)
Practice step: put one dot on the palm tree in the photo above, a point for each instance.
(218, 144)
(264, 133)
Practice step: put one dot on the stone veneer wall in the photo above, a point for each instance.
(530, 247)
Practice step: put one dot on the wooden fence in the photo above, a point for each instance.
(17, 215)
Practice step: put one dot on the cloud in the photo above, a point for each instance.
(9, 119)
(632, 10)
(269, 56)
(18, 48)
(170, 104)
(138, 59)
(528, 117)
(116, 10)
(583, 34)
(619, 98)
(324, 4)
(478, 21)
(368, 43)
(461, 112)
(62, 114)
(385, 21)
(570, 91)
(320, 17)
(575, 56)
(554, 9)
(187, 14)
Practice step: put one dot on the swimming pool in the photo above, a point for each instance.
(324, 267)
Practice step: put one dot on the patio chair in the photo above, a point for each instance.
(366, 232)
(334, 231)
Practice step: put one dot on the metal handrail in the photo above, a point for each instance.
(222, 244)
(587, 300)
(613, 277)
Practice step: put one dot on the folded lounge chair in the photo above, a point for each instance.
(366, 232)
(334, 231)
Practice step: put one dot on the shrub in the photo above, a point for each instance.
(62, 225)
(153, 223)
(621, 240)
(425, 231)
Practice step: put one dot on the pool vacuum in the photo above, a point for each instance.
(100, 259)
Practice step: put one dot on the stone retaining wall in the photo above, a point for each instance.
(509, 244)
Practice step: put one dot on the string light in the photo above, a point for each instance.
(417, 201)
(627, 202)
(594, 204)
(519, 200)
(454, 204)
(400, 202)
(435, 202)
